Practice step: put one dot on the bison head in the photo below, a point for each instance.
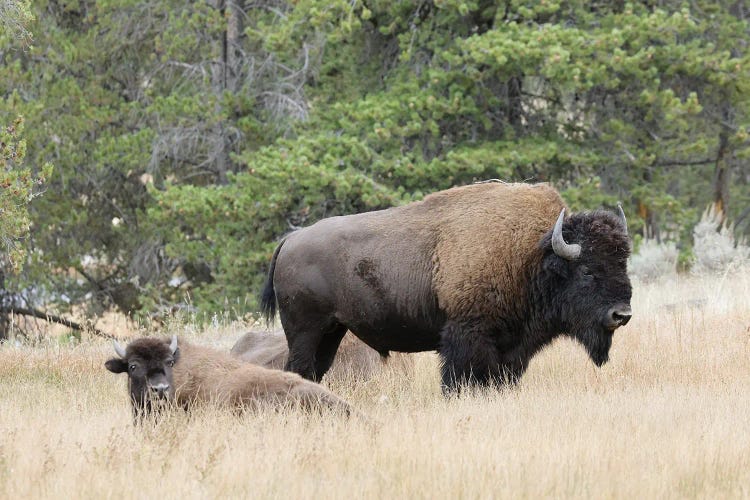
(148, 363)
(585, 264)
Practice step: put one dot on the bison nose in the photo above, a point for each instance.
(619, 315)
(160, 389)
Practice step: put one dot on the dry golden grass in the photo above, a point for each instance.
(669, 416)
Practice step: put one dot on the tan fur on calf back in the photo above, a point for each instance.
(354, 358)
(203, 374)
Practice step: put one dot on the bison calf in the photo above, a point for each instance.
(159, 370)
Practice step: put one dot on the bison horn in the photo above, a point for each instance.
(621, 213)
(118, 349)
(565, 250)
(173, 344)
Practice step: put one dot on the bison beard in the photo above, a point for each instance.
(598, 347)
(597, 344)
(595, 339)
(481, 273)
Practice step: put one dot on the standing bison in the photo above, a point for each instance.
(481, 273)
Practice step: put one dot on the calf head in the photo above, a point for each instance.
(585, 261)
(148, 363)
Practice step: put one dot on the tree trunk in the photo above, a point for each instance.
(722, 174)
(232, 45)
(225, 77)
(514, 87)
(4, 317)
(650, 217)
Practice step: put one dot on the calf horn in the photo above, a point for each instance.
(621, 213)
(118, 349)
(565, 250)
(173, 344)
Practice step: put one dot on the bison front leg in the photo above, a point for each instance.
(469, 356)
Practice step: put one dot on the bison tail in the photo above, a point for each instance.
(268, 295)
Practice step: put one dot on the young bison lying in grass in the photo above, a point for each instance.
(354, 360)
(160, 371)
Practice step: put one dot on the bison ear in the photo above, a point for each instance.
(116, 365)
(556, 265)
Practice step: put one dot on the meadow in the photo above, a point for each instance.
(667, 417)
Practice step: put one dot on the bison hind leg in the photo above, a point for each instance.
(469, 357)
(327, 348)
(312, 346)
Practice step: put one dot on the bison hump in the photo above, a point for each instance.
(487, 245)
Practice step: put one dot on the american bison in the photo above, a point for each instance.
(487, 274)
(354, 359)
(161, 371)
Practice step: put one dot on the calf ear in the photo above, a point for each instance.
(116, 365)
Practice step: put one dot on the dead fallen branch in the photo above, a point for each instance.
(52, 318)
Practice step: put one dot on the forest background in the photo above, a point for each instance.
(173, 143)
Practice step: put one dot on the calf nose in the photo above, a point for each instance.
(619, 315)
(160, 389)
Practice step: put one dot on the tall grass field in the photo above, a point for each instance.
(667, 417)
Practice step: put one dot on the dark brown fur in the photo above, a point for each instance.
(469, 271)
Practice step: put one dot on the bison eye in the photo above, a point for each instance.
(585, 271)
(132, 367)
(170, 362)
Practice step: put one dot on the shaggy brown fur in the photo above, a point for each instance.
(484, 251)
(203, 374)
(473, 272)
(354, 358)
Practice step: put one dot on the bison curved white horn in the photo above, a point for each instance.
(173, 344)
(118, 349)
(621, 213)
(565, 250)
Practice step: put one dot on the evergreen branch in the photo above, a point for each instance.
(683, 163)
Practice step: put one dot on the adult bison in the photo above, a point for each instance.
(159, 371)
(482, 273)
